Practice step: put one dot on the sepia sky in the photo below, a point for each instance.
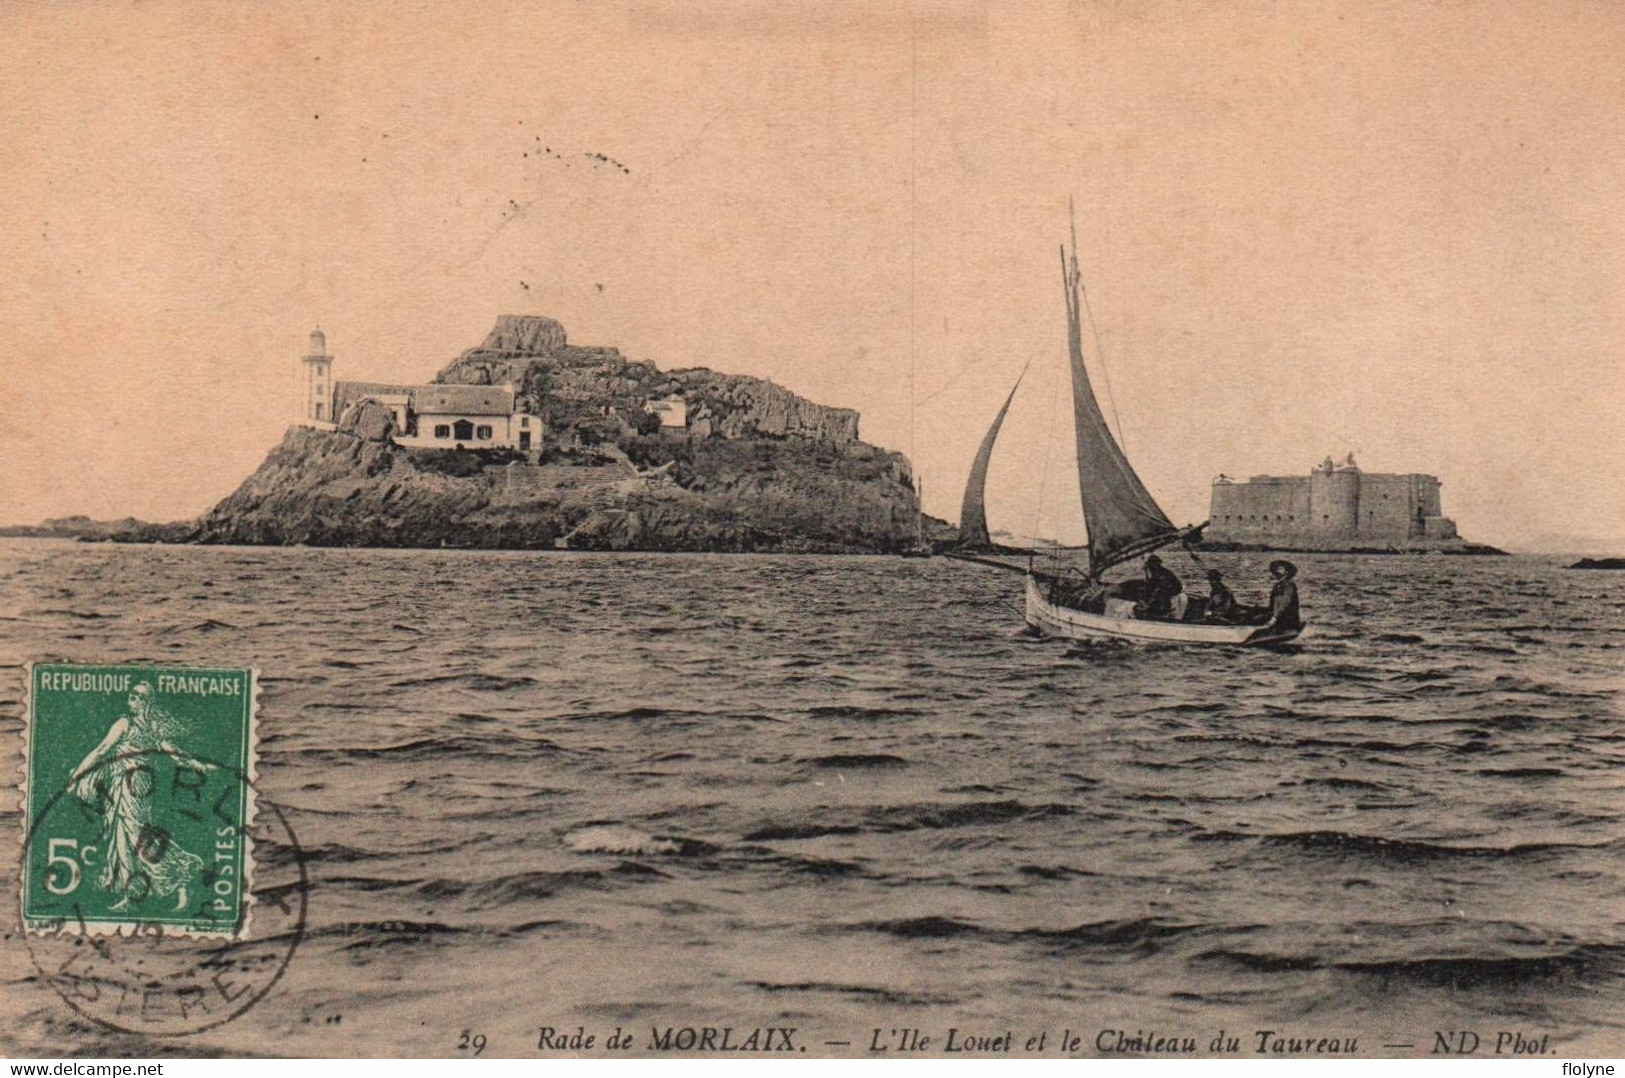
(1392, 228)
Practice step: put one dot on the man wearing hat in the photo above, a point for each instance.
(1221, 602)
(1284, 596)
(1161, 588)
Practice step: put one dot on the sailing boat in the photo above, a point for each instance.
(973, 533)
(1123, 519)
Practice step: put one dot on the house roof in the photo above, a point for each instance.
(462, 400)
(347, 393)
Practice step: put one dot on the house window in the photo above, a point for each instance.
(318, 411)
(442, 430)
(463, 430)
(524, 422)
(483, 432)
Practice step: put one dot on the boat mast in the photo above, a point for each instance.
(1094, 328)
(1123, 519)
(913, 287)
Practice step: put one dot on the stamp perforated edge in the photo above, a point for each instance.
(249, 773)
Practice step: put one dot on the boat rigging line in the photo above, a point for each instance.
(1094, 328)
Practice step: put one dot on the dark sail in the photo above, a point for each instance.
(1123, 519)
(973, 533)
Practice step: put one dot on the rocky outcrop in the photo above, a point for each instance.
(332, 488)
(74, 527)
(569, 384)
(526, 335)
(741, 407)
(370, 421)
(1599, 563)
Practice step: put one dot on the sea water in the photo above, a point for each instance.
(852, 796)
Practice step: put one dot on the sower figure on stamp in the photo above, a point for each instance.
(138, 859)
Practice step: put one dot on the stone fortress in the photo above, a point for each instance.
(1334, 507)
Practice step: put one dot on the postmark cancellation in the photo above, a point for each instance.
(138, 800)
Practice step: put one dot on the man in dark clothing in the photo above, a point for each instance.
(1284, 597)
(1161, 585)
(1221, 604)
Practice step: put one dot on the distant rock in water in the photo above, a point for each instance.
(1456, 549)
(74, 527)
(751, 467)
(1599, 563)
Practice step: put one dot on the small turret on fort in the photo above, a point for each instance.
(1335, 507)
(1334, 498)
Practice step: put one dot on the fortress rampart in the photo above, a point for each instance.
(1334, 507)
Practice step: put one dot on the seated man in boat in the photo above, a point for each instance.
(1163, 590)
(1284, 597)
(1221, 608)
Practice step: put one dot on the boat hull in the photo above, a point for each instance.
(1052, 620)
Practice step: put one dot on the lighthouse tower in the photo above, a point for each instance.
(318, 379)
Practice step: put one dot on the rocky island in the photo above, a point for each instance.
(74, 527)
(530, 442)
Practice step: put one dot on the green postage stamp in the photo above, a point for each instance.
(138, 799)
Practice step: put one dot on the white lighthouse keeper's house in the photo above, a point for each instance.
(432, 416)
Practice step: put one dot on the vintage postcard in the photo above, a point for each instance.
(778, 530)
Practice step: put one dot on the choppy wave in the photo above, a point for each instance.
(675, 788)
(905, 818)
(1591, 964)
(619, 838)
(1392, 849)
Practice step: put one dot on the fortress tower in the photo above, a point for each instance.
(1334, 497)
(318, 379)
